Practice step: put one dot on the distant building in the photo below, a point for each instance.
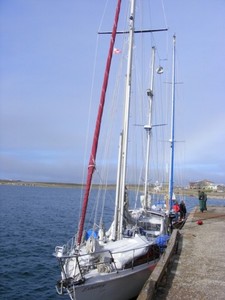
(203, 184)
(220, 188)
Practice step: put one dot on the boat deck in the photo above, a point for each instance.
(198, 270)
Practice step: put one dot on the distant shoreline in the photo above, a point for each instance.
(39, 184)
(46, 184)
(177, 191)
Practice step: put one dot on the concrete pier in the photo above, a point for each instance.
(197, 270)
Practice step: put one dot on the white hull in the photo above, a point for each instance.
(121, 285)
(117, 272)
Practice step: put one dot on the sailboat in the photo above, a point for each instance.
(154, 221)
(159, 221)
(114, 264)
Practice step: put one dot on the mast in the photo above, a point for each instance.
(126, 117)
(117, 202)
(172, 129)
(148, 128)
(91, 165)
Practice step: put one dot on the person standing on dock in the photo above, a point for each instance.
(183, 210)
(176, 209)
(202, 200)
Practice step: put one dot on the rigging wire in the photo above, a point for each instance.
(88, 122)
(103, 170)
(90, 107)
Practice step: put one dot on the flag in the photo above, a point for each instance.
(116, 51)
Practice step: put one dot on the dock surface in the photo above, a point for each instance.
(198, 269)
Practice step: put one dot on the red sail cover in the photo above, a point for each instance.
(91, 165)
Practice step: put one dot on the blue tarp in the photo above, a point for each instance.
(162, 240)
(91, 232)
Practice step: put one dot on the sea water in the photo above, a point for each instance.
(33, 220)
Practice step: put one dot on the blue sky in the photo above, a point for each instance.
(46, 65)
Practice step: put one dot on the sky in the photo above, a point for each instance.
(46, 64)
